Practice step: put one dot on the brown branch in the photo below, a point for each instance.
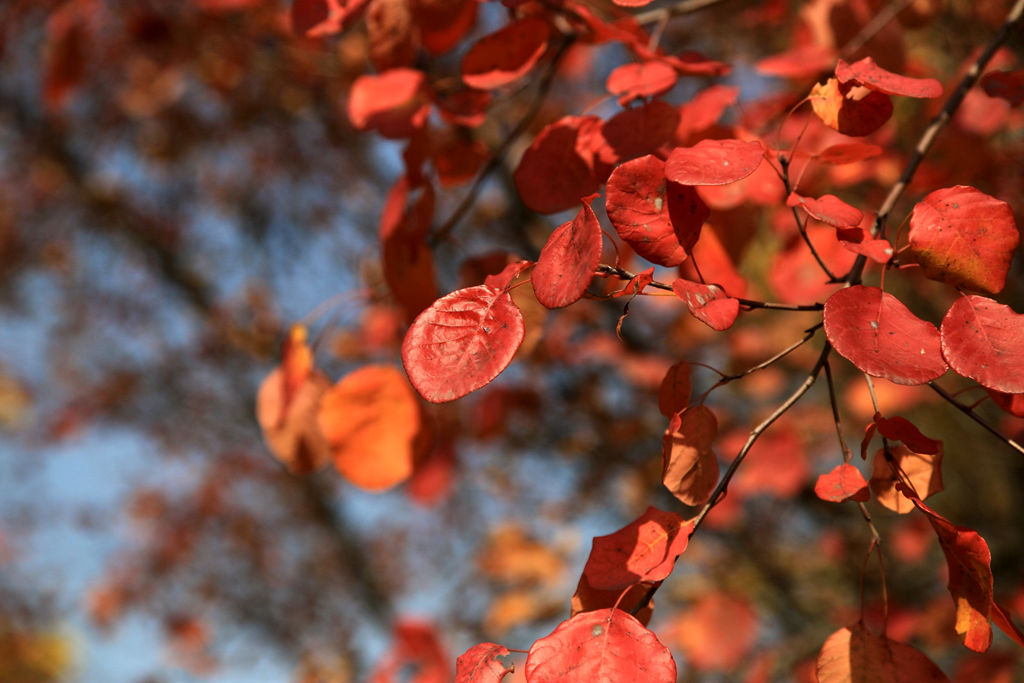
(677, 10)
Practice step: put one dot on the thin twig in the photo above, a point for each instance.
(751, 304)
(756, 432)
(808, 334)
(847, 453)
(1013, 22)
(802, 226)
(871, 29)
(444, 230)
(969, 412)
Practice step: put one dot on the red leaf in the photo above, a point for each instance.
(843, 483)
(393, 103)
(640, 80)
(483, 663)
(855, 114)
(644, 550)
(708, 303)
(827, 209)
(631, 3)
(689, 466)
(462, 342)
(901, 429)
(606, 646)
(964, 237)
(371, 419)
(984, 340)
(923, 470)
(317, 18)
(589, 599)
(506, 55)
(848, 153)
(567, 262)
(636, 284)
(502, 280)
(674, 392)
(714, 162)
(855, 655)
(871, 76)
(859, 241)
(970, 576)
(641, 130)
(442, 25)
(637, 206)
(407, 261)
(1007, 85)
(878, 334)
(553, 174)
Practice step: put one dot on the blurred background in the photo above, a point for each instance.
(179, 184)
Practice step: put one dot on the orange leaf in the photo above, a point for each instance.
(689, 466)
(921, 469)
(855, 113)
(371, 419)
(855, 655)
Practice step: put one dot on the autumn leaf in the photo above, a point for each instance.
(708, 303)
(371, 419)
(923, 471)
(393, 103)
(984, 340)
(641, 80)
(638, 208)
(851, 113)
(843, 483)
(688, 465)
(714, 162)
(827, 209)
(554, 174)
(483, 663)
(568, 260)
(462, 342)
(286, 406)
(970, 575)
(848, 153)
(406, 260)
(871, 76)
(506, 55)
(644, 550)
(606, 646)
(640, 130)
(1007, 85)
(855, 655)
(878, 334)
(964, 237)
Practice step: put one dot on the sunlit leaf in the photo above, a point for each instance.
(606, 646)
(964, 237)
(462, 342)
(855, 655)
(878, 334)
(984, 340)
(689, 465)
(644, 550)
(843, 483)
(714, 162)
(483, 663)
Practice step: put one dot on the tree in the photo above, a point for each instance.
(823, 212)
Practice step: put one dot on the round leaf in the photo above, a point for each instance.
(462, 342)
(714, 162)
(874, 330)
(638, 208)
(984, 340)
(606, 646)
(963, 236)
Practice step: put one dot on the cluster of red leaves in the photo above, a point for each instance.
(662, 185)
